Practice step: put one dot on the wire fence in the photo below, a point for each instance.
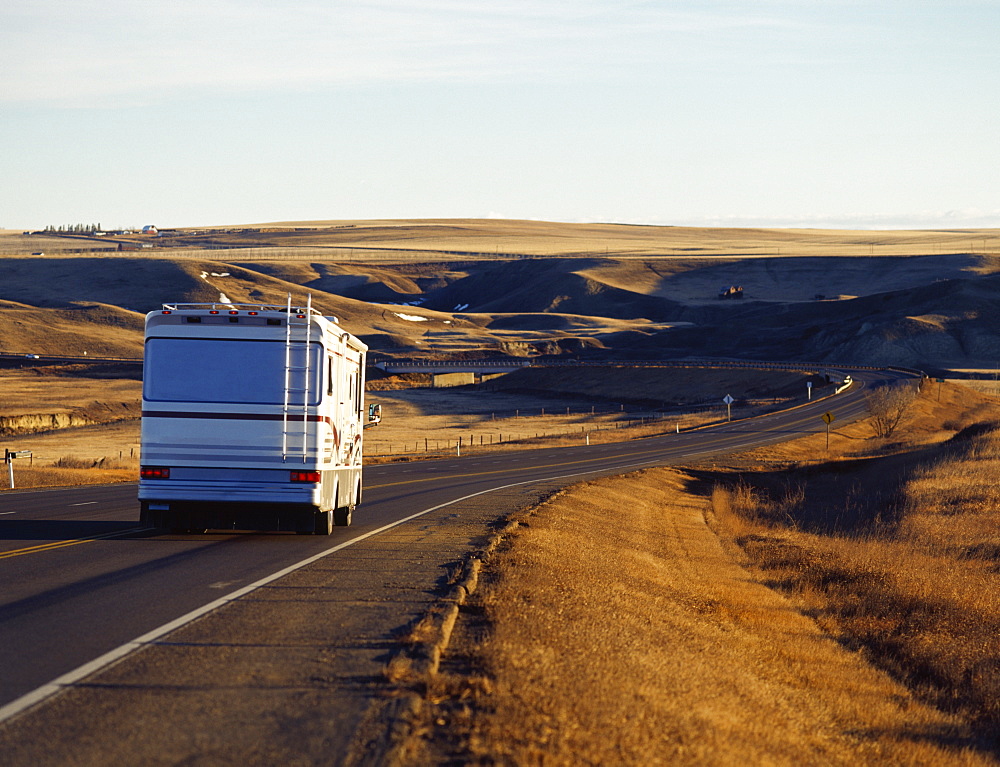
(523, 435)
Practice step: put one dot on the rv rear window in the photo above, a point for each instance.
(211, 370)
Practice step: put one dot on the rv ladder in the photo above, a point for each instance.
(295, 411)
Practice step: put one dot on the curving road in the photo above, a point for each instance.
(83, 584)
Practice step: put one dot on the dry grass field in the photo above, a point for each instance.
(81, 423)
(768, 610)
(406, 239)
(919, 298)
(902, 568)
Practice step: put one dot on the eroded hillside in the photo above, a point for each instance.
(438, 288)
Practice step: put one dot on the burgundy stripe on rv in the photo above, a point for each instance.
(232, 416)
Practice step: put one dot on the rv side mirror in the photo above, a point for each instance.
(374, 414)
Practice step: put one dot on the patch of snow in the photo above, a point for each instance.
(224, 299)
(220, 274)
(411, 317)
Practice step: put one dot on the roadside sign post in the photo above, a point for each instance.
(828, 419)
(809, 390)
(728, 399)
(8, 457)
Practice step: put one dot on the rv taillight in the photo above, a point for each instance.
(213, 311)
(166, 311)
(300, 316)
(305, 476)
(154, 472)
(251, 312)
(234, 312)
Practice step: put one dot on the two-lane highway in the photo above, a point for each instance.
(81, 581)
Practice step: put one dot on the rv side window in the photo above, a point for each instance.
(329, 375)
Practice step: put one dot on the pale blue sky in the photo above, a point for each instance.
(763, 112)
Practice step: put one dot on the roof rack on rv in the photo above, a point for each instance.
(219, 305)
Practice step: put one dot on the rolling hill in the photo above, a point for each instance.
(585, 290)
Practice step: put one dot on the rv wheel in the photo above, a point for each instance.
(342, 516)
(324, 523)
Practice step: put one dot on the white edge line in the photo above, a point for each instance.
(102, 662)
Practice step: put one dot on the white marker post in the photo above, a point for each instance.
(728, 399)
(8, 457)
(809, 390)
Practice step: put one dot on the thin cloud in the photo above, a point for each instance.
(73, 53)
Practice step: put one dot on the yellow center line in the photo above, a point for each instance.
(63, 544)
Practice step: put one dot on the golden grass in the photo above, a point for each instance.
(903, 567)
(68, 390)
(615, 629)
(105, 470)
(453, 239)
(841, 609)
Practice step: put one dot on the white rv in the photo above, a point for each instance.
(252, 418)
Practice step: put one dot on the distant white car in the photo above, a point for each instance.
(31, 356)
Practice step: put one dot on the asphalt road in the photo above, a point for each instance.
(82, 580)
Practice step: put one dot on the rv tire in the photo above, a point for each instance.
(324, 523)
(342, 516)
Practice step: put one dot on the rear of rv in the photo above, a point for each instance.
(252, 419)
